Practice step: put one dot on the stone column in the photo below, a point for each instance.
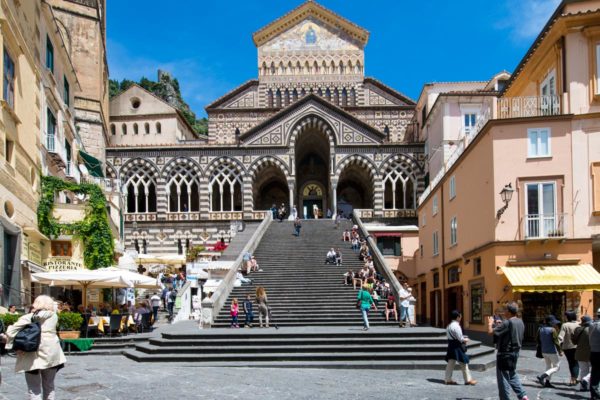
(378, 198)
(204, 198)
(334, 184)
(247, 197)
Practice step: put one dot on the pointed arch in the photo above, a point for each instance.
(139, 177)
(182, 177)
(225, 184)
(400, 181)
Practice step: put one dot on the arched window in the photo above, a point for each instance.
(328, 94)
(147, 128)
(124, 129)
(135, 129)
(270, 98)
(287, 97)
(278, 98)
(294, 95)
(358, 68)
(140, 186)
(183, 188)
(281, 68)
(350, 68)
(158, 127)
(272, 68)
(307, 68)
(298, 67)
(341, 67)
(315, 68)
(324, 69)
(290, 68)
(332, 68)
(344, 97)
(113, 130)
(264, 68)
(400, 189)
(336, 97)
(352, 97)
(225, 188)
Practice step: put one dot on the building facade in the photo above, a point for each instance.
(512, 213)
(312, 130)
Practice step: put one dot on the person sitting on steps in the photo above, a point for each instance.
(338, 256)
(330, 257)
(348, 278)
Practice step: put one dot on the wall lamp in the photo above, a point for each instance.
(506, 195)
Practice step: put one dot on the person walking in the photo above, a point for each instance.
(40, 366)
(171, 297)
(155, 302)
(595, 357)
(404, 298)
(297, 226)
(235, 309)
(456, 352)
(547, 337)
(263, 306)
(508, 336)
(365, 302)
(565, 336)
(581, 338)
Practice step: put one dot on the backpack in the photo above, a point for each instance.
(29, 337)
(173, 295)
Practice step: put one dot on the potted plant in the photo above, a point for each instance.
(69, 325)
(9, 319)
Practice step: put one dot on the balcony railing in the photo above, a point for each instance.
(56, 149)
(72, 171)
(543, 226)
(528, 106)
(107, 184)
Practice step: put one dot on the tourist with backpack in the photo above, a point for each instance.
(36, 332)
(171, 297)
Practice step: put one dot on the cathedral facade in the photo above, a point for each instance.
(310, 131)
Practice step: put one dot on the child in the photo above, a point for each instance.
(234, 313)
(248, 311)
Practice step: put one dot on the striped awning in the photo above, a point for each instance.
(552, 278)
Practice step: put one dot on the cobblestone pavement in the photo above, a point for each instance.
(116, 378)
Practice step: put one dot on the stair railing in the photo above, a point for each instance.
(183, 302)
(212, 306)
(378, 259)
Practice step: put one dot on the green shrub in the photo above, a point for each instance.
(9, 319)
(69, 321)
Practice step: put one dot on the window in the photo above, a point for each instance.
(434, 207)
(158, 127)
(69, 168)
(423, 219)
(452, 187)
(435, 244)
(66, 91)
(541, 217)
(453, 231)
(9, 151)
(477, 266)
(453, 274)
(8, 93)
(49, 54)
(477, 303)
(469, 121)
(113, 131)
(436, 280)
(124, 129)
(538, 142)
(61, 249)
(389, 246)
(597, 91)
(147, 128)
(50, 130)
(596, 187)
(135, 129)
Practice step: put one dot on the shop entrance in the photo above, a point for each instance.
(454, 301)
(537, 306)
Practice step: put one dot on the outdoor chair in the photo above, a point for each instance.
(86, 328)
(115, 324)
(145, 324)
(124, 324)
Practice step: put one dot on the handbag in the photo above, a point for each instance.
(463, 345)
(29, 337)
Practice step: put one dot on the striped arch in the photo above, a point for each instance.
(262, 162)
(182, 185)
(138, 163)
(224, 160)
(181, 162)
(312, 121)
(357, 159)
(225, 178)
(140, 178)
(110, 171)
(403, 159)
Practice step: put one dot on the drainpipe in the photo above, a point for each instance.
(443, 255)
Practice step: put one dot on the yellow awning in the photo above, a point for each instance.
(553, 278)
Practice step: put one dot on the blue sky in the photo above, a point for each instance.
(208, 45)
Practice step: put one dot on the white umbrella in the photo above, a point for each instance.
(133, 279)
(82, 277)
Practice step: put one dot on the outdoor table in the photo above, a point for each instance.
(83, 344)
(101, 321)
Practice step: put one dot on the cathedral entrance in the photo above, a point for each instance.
(355, 189)
(269, 188)
(312, 166)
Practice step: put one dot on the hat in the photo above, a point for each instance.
(586, 319)
(551, 320)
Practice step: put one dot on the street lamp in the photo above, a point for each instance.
(506, 196)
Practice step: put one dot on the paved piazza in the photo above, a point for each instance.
(115, 378)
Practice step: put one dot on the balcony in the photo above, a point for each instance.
(62, 264)
(55, 149)
(72, 172)
(544, 226)
(528, 106)
(107, 184)
(69, 213)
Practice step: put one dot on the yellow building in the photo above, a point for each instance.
(513, 212)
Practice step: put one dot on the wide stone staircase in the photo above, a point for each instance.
(319, 325)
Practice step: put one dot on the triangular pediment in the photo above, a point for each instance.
(315, 11)
(138, 101)
(345, 128)
(244, 96)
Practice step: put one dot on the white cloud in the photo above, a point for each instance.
(526, 18)
(198, 83)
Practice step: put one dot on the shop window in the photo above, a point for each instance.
(453, 275)
(389, 246)
(477, 266)
(477, 303)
